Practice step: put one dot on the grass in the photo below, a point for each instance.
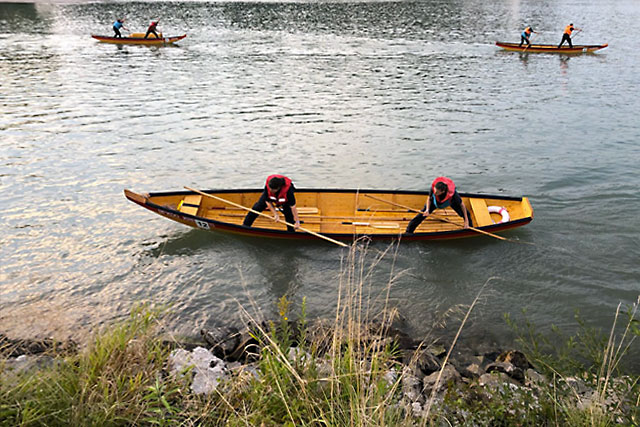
(346, 372)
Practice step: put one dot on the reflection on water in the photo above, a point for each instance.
(360, 95)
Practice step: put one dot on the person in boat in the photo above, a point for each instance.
(566, 36)
(278, 193)
(524, 37)
(117, 25)
(441, 195)
(152, 29)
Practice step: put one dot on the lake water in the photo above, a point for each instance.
(384, 95)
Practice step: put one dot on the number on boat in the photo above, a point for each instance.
(202, 224)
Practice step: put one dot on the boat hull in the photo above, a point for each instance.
(139, 40)
(548, 48)
(338, 214)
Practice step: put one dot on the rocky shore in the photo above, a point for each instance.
(465, 387)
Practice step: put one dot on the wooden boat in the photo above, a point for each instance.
(550, 48)
(138, 38)
(338, 214)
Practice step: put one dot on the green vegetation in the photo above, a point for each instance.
(345, 373)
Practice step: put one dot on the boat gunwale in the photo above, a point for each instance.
(335, 190)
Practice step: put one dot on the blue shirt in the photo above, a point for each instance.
(117, 25)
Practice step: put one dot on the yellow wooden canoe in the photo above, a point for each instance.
(550, 48)
(138, 38)
(338, 214)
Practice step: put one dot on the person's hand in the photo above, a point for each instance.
(466, 224)
(297, 224)
(276, 217)
(425, 214)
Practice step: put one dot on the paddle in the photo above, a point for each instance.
(578, 31)
(437, 217)
(267, 216)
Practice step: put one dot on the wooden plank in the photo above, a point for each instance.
(190, 204)
(481, 212)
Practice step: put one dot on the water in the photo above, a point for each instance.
(383, 95)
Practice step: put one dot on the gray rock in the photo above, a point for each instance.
(506, 368)
(411, 386)
(208, 369)
(472, 371)
(533, 378)
(496, 380)
(449, 373)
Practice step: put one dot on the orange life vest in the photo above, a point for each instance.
(281, 197)
(568, 29)
(451, 188)
(528, 31)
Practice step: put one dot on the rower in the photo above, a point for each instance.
(442, 194)
(566, 36)
(152, 29)
(524, 37)
(278, 193)
(117, 25)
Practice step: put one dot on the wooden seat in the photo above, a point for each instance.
(190, 204)
(481, 212)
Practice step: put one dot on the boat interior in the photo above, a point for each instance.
(346, 211)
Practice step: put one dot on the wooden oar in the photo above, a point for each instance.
(267, 216)
(437, 217)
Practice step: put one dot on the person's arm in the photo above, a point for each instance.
(274, 211)
(294, 209)
(426, 211)
(466, 215)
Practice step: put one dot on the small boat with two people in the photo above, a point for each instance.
(139, 38)
(550, 48)
(339, 215)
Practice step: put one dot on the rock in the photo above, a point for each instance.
(427, 363)
(391, 376)
(533, 378)
(448, 374)
(516, 358)
(17, 347)
(208, 369)
(437, 350)
(495, 380)
(25, 363)
(411, 386)
(299, 355)
(506, 368)
(222, 341)
(416, 409)
(472, 371)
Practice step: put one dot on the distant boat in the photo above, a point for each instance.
(138, 38)
(551, 48)
(339, 214)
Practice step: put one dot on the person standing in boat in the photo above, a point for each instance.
(278, 193)
(524, 37)
(566, 36)
(117, 25)
(152, 29)
(441, 195)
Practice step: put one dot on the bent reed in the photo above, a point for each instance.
(349, 371)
